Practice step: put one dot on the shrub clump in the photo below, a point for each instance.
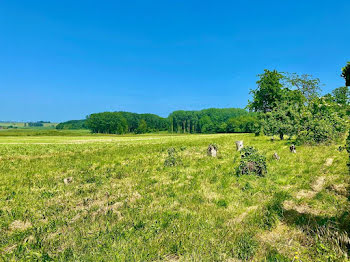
(348, 149)
(252, 162)
(172, 158)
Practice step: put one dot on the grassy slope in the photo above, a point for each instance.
(124, 204)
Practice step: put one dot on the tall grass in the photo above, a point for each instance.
(124, 204)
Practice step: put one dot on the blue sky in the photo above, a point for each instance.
(62, 60)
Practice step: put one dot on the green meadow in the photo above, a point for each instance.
(80, 197)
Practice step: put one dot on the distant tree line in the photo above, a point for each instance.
(125, 122)
(72, 124)
(35, 124)
(213, 120)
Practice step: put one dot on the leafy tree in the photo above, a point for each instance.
(282, 120)
(268, 93)
(206, 125)
(346, 74)
(107, 122)
(308, 86)
(341, 95)
(320, 123)
(242, 124)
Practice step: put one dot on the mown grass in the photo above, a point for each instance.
(124, 204)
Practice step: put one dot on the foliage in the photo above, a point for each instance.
(268, 93)
(107, 123)
(242, 124)
(298, 111)
(341, 95)
(142, 127)
(72, 124)
(282, 120)
(32, 124)
(252, 162)
(125, 122)
(306, 84)
(320, 123)
(212, 120)
(172, 158)
(346, 74)
(348, 150)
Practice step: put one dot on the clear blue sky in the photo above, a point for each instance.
(62, 60)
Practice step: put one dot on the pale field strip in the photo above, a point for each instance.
(49, 140)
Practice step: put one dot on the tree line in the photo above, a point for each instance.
(213, 120)
(125, 122)
(72, 124)
(283, 104)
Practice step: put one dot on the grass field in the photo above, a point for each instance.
(123, 204)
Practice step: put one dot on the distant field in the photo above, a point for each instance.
(21, 125)
(43, 132)
(123, 204)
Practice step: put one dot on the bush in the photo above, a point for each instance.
(320, 126)
(172, 158)
(348, 149)
(252, 162)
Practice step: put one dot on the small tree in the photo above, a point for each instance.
(282, 120)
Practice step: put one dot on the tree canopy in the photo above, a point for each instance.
(346, 74)
(125, 122)
(212, 120)
(268, 93)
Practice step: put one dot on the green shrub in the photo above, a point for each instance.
(252, 162)
(172, 158)
(348, 149)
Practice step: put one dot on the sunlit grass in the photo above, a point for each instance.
(125, 204)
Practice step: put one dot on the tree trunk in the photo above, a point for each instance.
(281, 136)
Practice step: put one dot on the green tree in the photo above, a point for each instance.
(307, 85)
(320, 122)
(341, 95)
(268, 93)
(282, 120)
(346, 74)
